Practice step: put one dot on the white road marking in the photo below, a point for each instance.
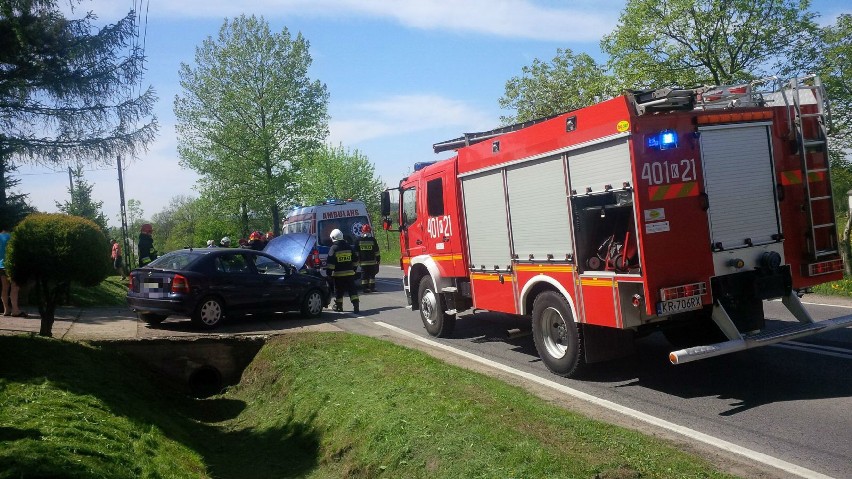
(647, 418)
(820, 346)
(812, 349)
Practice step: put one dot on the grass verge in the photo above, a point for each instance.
(312, 405)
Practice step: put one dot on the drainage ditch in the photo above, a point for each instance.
(199, 367)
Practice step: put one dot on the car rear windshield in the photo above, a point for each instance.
(351, 228)
(175, 260)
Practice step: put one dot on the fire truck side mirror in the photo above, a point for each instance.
(386, 204)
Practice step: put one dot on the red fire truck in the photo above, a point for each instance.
(673, 210)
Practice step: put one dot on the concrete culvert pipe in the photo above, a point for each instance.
(205, 382)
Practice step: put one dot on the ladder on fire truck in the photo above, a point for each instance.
(822, 237)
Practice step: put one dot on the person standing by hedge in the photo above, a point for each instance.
(9, 293)
(147, 253)
(117, 260)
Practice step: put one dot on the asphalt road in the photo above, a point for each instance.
(789, 401)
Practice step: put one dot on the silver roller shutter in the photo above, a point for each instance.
(599, 165)
(485, 213)
(538, 197)
(739, 182)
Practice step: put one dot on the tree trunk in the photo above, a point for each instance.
(47, 296)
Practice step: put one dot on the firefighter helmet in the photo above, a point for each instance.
(225, 241)
(336, 235)
(255, 236)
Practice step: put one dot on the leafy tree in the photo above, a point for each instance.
(835, 69)
(335, 172)
(54, 250)
(249, 116)
(13, 206)
(567, 83)
(65, 86)
(177, 223)
(81, 203)
(694, 42)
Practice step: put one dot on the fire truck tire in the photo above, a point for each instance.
(437, 323)
(558, 339)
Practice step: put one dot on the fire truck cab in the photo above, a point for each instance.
(678, 210)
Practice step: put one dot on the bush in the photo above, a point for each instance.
(54, 250)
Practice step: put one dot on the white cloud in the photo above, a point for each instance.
(405, 114)
(582, 21)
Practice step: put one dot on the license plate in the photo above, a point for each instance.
(672, 306)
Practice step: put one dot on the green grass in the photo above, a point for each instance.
(111, 292)
(841, 287)
(312, 405)
(389, 246)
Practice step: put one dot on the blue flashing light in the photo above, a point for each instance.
(423, 164)
(664, 140)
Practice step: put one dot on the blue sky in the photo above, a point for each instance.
(401, 74)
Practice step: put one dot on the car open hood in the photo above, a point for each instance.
(292, 248)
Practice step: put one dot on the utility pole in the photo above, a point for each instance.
(70, 184)
(128, 253)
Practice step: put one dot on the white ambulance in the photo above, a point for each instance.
(320, 220)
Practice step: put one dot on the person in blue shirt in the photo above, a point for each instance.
(9, 293)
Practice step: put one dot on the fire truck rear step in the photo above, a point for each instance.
(764, 338)
(738, 342)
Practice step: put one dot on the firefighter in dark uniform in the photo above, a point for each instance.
(369, 258)
(147, 253)
(340, 266)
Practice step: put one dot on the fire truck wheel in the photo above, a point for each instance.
(557, 337)
(436, 321)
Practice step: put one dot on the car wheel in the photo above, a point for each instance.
(153, 318)
(209, 313)
(312, 304)
(557, 337)
(435, 320)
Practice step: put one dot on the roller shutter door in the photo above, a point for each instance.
(487, 228)
(599, 165)
(538, 205)
(739, 182)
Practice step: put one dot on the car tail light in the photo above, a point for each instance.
(180, 284)
(131, 286)
(684, 291)
(315, 258)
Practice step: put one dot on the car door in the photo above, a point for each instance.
(281, 288)
(236, 280)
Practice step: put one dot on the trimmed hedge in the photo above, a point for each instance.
(58, 248)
